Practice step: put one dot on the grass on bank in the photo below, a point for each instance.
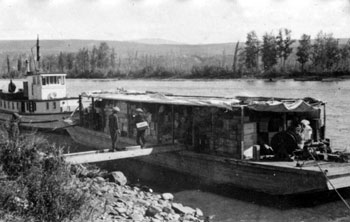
(37, 184)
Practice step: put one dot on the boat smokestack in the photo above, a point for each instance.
(38, 53)
(8, 64)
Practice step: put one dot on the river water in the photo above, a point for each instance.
(227, 204)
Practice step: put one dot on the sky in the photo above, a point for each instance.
(183, 21)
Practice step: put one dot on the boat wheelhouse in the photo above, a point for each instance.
(222, 140)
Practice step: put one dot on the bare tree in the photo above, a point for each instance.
(235, 58)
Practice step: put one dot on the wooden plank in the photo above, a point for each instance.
(99, 156)
(340, 182)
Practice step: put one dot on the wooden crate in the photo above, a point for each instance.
(250, 128)
(250, 139)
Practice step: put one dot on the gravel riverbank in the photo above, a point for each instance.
(112, 199)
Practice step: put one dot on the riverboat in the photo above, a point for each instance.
(239, 141)
(42, 103)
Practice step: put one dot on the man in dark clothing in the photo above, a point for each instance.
(114, 127)
(140, 136)
(12, 87)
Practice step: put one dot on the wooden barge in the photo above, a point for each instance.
(218, 139)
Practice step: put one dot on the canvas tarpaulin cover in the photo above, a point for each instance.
(282, 106)
(260, 104)
(220, 102)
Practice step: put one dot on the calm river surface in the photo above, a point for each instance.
(241, 205)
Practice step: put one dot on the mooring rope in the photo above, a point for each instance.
(329, 181)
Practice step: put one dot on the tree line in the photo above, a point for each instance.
(324, 54)
(271, 56)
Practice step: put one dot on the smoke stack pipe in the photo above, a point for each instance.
(38, 52)
(8, 65)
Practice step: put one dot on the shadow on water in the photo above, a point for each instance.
(164, 180)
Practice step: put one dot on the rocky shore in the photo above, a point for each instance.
(35, 180)
(112, 199)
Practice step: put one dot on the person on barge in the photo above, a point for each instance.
(141, 126)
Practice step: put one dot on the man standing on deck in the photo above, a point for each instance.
(114, 127)
(140, 136)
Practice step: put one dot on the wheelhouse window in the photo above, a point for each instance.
(60, 80)
(47, 105)
(43, 79)
(54, 105)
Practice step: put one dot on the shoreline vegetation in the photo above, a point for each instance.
(36, 184)
(273, 55)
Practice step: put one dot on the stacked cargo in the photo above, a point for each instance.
(225, 137)
(123, 118)
(165, 124)
(151, 133)
(210, 130)
(203, 132)
(228, 138)
(219, 131)
(250, 135)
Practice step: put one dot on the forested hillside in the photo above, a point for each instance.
(269, 56)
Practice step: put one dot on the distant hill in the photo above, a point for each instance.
(123, 48)
(157, 47)
(163, 52)
(158, 42)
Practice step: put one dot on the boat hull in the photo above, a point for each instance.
(50, 121)
(279, 178)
